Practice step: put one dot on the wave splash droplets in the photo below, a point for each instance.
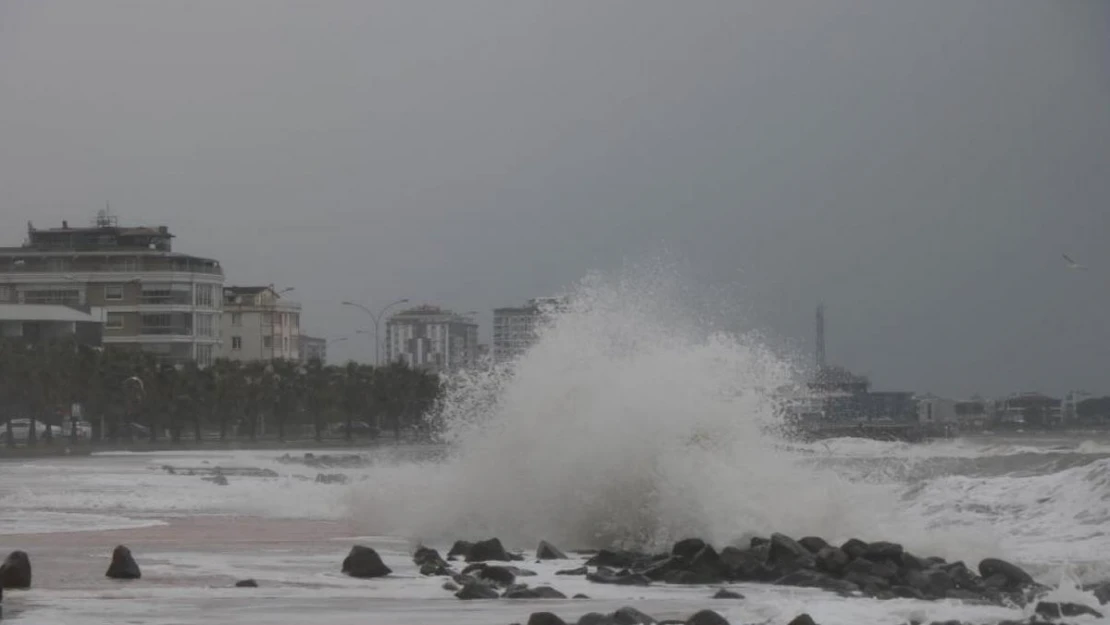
(628, 423)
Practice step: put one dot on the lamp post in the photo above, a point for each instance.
(377, 318)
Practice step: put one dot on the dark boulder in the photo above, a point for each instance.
(545, 618)
(1101, 592)
(880, 568)
(547, 551)
(15, 572)
(803, 619)
(461, 549)
(917, 579)
(911, 562)
(488, 551)
(855, 548)
(786, 549)
(883, 550)
(1018, 578)
(363, 562)
(1053, 610)
(813, 579)
(725, 593)
(907, 592)
(940, 582)
(450, 586)
(500, 575)
(477, 590)
(632, 616)
(430, 562)
(744, 565)
(688, 548)
(435, 569)
(963, 577)
(813, 543)
(123, 565)
(832, 560)
(595, 618)
(706, 617)
(246, 583)
(869, 584)
(615, 559)
(578, 571)
(757, 542)
(606, 576)
(541, 592)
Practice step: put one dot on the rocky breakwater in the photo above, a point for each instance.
(882, 570)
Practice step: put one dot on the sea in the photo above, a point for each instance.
(636, 420)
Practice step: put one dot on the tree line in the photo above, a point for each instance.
(117, 387)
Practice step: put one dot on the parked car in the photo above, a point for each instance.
(21, 429)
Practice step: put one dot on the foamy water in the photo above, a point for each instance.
(632, 422)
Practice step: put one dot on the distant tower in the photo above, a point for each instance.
(820, 337)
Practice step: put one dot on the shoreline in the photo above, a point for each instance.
(63, 449)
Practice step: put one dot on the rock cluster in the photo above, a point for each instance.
(631, 616)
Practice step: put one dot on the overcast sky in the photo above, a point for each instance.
(919, 166)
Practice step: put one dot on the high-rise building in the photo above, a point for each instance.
(153, 298)
(431, 338)
(259, 324)
(515, 330)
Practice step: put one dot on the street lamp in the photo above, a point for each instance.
(377, 318)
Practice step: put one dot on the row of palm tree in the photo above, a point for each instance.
(119, 387)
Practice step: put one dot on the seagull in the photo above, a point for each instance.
(1072, 264)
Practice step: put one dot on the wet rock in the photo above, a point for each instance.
(461, 549)
(832, 560)
(123, 565)
(813, 544)
(488, 551)
(499, 575)
(869, 584)
(854, 547)
(218, 480)
(706, 617)
(911, 562)
(725, 593)
(580, 596)
(803, 619)
(907, 592)
(1017, 577)
(450, 586)
(813, 579)
(940, 582)
(578, 571)
(1101, 592)
(784, 548)
(168, 469)
(331, 478)
(15, 572)
(744, 565)
(477, 590)
(595, 618)
(606, 576)
(539, 592)
(1053, 610)
(545, 618)
(961, 594)
(882, 550)
(688, 548)
(246, 583)
(615, 559)
(547, 551)
(874, 568)
(430, 562)
(963, 577)
(363, 562)
(632, 616)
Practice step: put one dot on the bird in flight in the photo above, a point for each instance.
(1072, 264)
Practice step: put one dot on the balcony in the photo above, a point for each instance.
(171, 330)
(182, 298)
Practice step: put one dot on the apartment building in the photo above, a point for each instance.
(515, 329)
(153, 298)
(431, 338)
(314, 348)
(259, 324)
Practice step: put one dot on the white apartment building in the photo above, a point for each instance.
(259, 324)
(431, 338)
(151, 298)
(515, 329)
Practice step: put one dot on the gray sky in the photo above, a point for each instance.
(920, 166)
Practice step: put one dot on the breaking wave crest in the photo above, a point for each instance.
(630, 422)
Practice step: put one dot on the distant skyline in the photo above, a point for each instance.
(920, 167)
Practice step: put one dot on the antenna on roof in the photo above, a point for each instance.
(105, 218)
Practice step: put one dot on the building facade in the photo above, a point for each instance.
(314, 348)
(432, 338)
(42, 323)
(516, 329)
(259, 324)
(153, 298)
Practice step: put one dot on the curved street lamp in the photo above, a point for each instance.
(377, 318)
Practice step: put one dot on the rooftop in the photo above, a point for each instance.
(42, 312)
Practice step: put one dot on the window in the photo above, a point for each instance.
(296, 320)
(5, 293)
(69, 297)
(113, 292)
(114, 321)
(236, 342)
(236, 320)
(206, 324)
(285, 343)
(205, 296)
(57, 265)
(268, 342)
(267, 319)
